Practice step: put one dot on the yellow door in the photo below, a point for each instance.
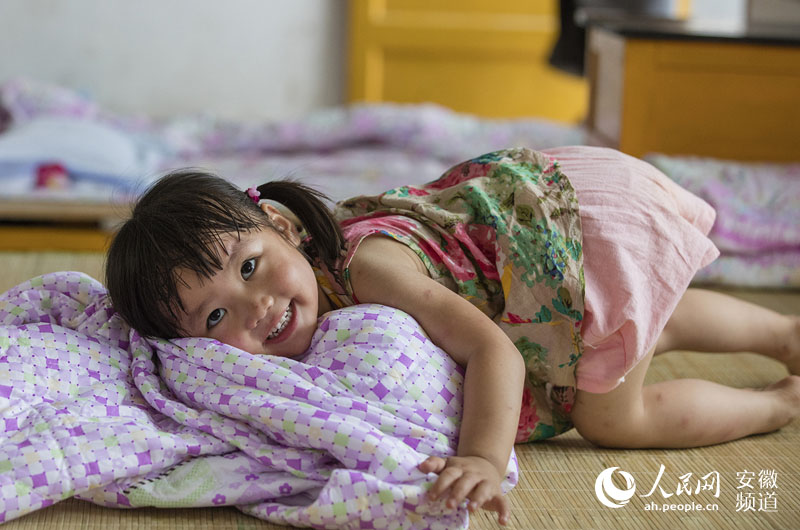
(478, 56)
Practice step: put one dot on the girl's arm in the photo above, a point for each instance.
(383, 271)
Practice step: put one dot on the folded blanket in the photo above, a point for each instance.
(427, 130)
(758, 217)
(329, 440)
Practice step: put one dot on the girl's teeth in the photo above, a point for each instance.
(282, 324)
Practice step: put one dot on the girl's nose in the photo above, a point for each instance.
(257, 308)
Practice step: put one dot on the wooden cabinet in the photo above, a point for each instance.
(672, 91)
(478, 56)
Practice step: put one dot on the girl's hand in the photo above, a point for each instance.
(470, 477)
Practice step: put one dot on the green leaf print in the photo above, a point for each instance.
(573, 360)
(533, 353)
(543, 315)
(488, 158)
(525, 214)
(574, 248)
(563, 304)
(508, 176)
(542, 432)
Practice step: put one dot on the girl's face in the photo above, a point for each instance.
(265, 300)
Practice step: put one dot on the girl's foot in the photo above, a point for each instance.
(787, 390)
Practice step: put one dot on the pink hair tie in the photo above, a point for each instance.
(254, 194)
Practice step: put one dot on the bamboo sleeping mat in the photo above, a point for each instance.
(557, 482)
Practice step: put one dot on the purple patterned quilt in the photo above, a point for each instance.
(330, 440)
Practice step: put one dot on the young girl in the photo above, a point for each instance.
(552, 277)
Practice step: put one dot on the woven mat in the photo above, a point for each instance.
(557, 482)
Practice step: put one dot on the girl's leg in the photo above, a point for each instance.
(708, 321)
(682, 412)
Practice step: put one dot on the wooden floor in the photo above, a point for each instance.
(557, 483)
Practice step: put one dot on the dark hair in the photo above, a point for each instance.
(178, 224)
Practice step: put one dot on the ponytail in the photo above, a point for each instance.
(327, 241)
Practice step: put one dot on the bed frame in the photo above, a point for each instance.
(37, 224)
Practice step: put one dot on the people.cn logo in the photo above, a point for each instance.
(608, 493)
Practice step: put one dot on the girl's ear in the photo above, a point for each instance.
(282, 223)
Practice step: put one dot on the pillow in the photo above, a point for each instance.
(89, 152)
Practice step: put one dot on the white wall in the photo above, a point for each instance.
(723, 13)
(239, 59)
(775, 12)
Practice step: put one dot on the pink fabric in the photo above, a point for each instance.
(644, 237)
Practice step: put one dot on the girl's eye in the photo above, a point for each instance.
(248, 267)
(214, 318)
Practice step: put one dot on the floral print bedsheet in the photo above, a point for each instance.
(329, 440)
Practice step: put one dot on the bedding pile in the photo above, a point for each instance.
(330, 440)
(758, 217)
(366, 149)
(343, 151)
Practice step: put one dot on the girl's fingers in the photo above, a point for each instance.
(465, 486)
(445, 480)
(499, 504)
(478, 490)
(433, 464)
(479, 496)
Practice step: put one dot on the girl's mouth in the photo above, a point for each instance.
(284, 327)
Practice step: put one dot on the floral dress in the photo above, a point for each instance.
(502, 230)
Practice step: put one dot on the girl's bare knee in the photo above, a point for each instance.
(605, 425)
(596, 428)
(610, 435)
(592, 432)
